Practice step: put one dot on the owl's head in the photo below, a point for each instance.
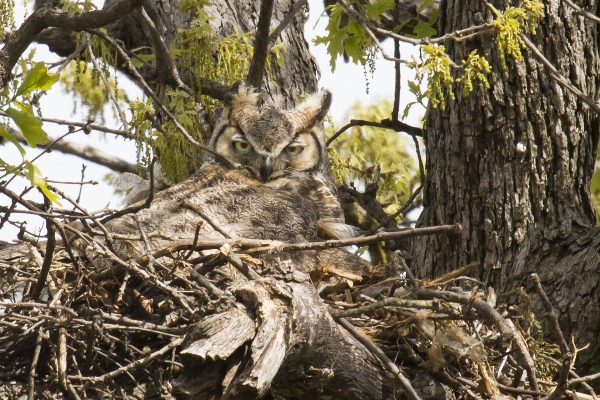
(270, 142)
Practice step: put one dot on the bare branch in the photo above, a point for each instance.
(554, 74)
(261, 44)
(581, 11)
(131, 366)
(286, 20)
(50, 244)
(44, 17)
(256, 246)
(167, 69)
(139, 205)
(386, 124)
(550, 314)
(389, 364)
(210, 221)
(87, 153)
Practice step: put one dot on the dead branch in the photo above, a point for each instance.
(389, 365)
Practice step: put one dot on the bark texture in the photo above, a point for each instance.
(294, 78)
(513, 166)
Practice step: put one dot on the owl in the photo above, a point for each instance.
(268, 177)
(284, 150)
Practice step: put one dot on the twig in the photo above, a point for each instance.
(83, 167)
(397, 69)
(563, 375)
(453, 274)
(164, 60)
(85, 152)
(587, 378)
(147, 246)
(241, 266)
(130, 366)
(389, 364)
(457, 36)
(90, 182)
(395, 125)
(9, 304)
(581, 11)
(285, 21)
(409, 274)
(554, 74)
(156, 98)
(261, 44)
(506, 327)
(50, 244)
(255, 246)
(80, 47)
(361, 241)
(390, 301)
(62, 357)
(122, 287)
(413, 196)
(207, 284)
(208, 219)
(550, 314)
(34, 361)
(107, 87)
(504, 388)
(196, 235)
(139, 205)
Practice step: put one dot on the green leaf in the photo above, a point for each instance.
(35, 177)
(424, 29)
(10, 137)
(37, 78)
(407, 109)
(29, 125)
(424, 5)
(355, 51)
(146, 57)
(375, 10)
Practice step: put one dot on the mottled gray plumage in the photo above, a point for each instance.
(270, 180)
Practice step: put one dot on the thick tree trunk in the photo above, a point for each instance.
(294, 78)
(513, 165)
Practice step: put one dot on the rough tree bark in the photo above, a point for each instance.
(513, 166)
(294, 78)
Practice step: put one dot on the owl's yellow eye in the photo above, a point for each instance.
(294, 150)
(241, 147)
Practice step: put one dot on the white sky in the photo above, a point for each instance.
(347, 85)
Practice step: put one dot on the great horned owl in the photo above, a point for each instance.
(285, 150)
(269, 179)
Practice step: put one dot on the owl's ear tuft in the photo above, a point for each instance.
(240, 95)
(311, 111)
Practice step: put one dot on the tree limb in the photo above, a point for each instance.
(396, 125)
(44, 17)
(87, 153)
(261, 44)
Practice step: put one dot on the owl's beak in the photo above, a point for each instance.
(265, 169)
